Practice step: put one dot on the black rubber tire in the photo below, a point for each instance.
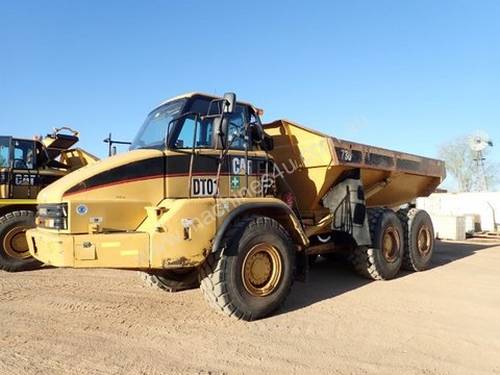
(221, 280)
(7, 222)
(412, 220)
(370, 262)
(171, 280)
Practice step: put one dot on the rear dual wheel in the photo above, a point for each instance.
(382, 260)
(419, 239)
(403, 240)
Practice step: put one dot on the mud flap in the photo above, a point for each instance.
(346, 201)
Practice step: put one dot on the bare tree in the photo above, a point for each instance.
(462, 164)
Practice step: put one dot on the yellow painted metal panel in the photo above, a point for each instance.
(86, 250)
(51, 248)
(6, 202)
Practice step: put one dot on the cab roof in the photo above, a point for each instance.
(194, 93)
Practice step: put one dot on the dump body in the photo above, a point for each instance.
(312, 162)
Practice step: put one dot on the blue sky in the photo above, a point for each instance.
(398, 74)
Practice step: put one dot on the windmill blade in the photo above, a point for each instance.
(479, 141)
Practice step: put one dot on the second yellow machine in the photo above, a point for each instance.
(26, 167)
(209, 195)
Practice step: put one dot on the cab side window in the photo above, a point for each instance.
(236, 128)
(205, 129)
(203, 133)
(4, 152)
(24, 154)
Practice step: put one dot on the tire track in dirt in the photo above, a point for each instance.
(66, 321)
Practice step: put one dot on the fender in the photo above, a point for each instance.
(278, 211)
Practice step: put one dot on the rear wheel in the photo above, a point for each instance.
(419, 239)
(172, 280)
(251, 274)
(14, 251)
(383, 259)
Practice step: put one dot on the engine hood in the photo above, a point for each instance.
(103, 173)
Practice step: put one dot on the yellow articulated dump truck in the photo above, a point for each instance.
(27, 166)
(209, 195)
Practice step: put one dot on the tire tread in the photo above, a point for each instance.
(363, 258)
(16, 265)
(213, 270)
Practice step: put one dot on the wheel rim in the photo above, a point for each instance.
(424, 240)
(391, 244)
(261, 271)
(15, 243)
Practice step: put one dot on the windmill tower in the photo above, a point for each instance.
(478, 143)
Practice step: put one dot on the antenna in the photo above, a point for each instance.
(478, 142)
(110, 141)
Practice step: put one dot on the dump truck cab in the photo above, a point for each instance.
(26, 167)
(204, 197)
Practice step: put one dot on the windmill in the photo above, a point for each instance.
(478, 142)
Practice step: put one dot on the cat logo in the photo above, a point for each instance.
(24, 180)
(238, 166)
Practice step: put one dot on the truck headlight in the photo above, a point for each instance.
(52, 216)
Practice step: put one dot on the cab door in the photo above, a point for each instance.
(244, 168)
(246, 165)
(24, 179)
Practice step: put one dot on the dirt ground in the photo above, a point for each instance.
(442, 321)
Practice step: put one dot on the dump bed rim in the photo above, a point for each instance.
(438, 171)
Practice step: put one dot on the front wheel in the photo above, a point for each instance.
(14, 251)
(250, 276)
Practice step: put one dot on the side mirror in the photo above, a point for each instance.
(258, 135)
(229, 102)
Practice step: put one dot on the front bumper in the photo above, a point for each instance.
(51, 248)
(113, 250)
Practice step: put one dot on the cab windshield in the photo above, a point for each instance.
(154, 130)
